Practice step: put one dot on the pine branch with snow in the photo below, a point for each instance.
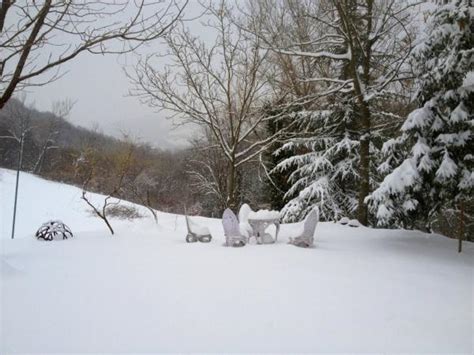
(438, 135)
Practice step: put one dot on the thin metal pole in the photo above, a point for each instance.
(20, 161)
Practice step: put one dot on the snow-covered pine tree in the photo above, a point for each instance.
(276, 182)
(357, 56)
(437, 170)
(323, 165)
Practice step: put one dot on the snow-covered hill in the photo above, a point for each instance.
(146, 290)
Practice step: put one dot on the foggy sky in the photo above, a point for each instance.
(99, 87)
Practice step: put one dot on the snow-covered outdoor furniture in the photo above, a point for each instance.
(52, 229)
(354, 223)
(306, 238)
(349, 222)
(344, 221)
(259, 221)
(245, 227)
(197, 232)
(233, 236)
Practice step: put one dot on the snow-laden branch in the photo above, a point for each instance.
(319, 54)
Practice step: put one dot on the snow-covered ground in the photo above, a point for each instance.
(146, 290)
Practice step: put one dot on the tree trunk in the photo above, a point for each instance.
(461, 226)
(364, 148)
(149, 206)
(231, 188)
(364, 168)
(108, 224)
(39, 161)
(352, 22)
(25, 50)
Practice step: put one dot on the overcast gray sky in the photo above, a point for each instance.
(100, 88)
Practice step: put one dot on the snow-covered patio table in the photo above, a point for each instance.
(260, 220)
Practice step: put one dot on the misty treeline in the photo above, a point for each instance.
(361, 107)
(56, 149)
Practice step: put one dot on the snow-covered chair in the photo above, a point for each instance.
(233, 236)
(306, 238)
(244, 225)
(197, 232)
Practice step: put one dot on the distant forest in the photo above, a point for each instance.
(54, 148)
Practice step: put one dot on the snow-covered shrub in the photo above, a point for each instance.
(123, 212)
(52, 230)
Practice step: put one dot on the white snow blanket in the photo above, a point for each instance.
(145, 290)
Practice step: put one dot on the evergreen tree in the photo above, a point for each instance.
(436, 171)
(359, 60)
(323, 165)
(276, 182)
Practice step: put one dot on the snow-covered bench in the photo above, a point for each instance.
(197, 232)
(306, 238)
(233, 236)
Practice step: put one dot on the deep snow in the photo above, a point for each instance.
(146, 290)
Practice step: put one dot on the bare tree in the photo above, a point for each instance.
(19, 116)
(61, 110)
(218, 86)
(207, 168)
(143, 187)
(37, 37)
(111, 199)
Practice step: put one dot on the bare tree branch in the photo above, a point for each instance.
(38, 37)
